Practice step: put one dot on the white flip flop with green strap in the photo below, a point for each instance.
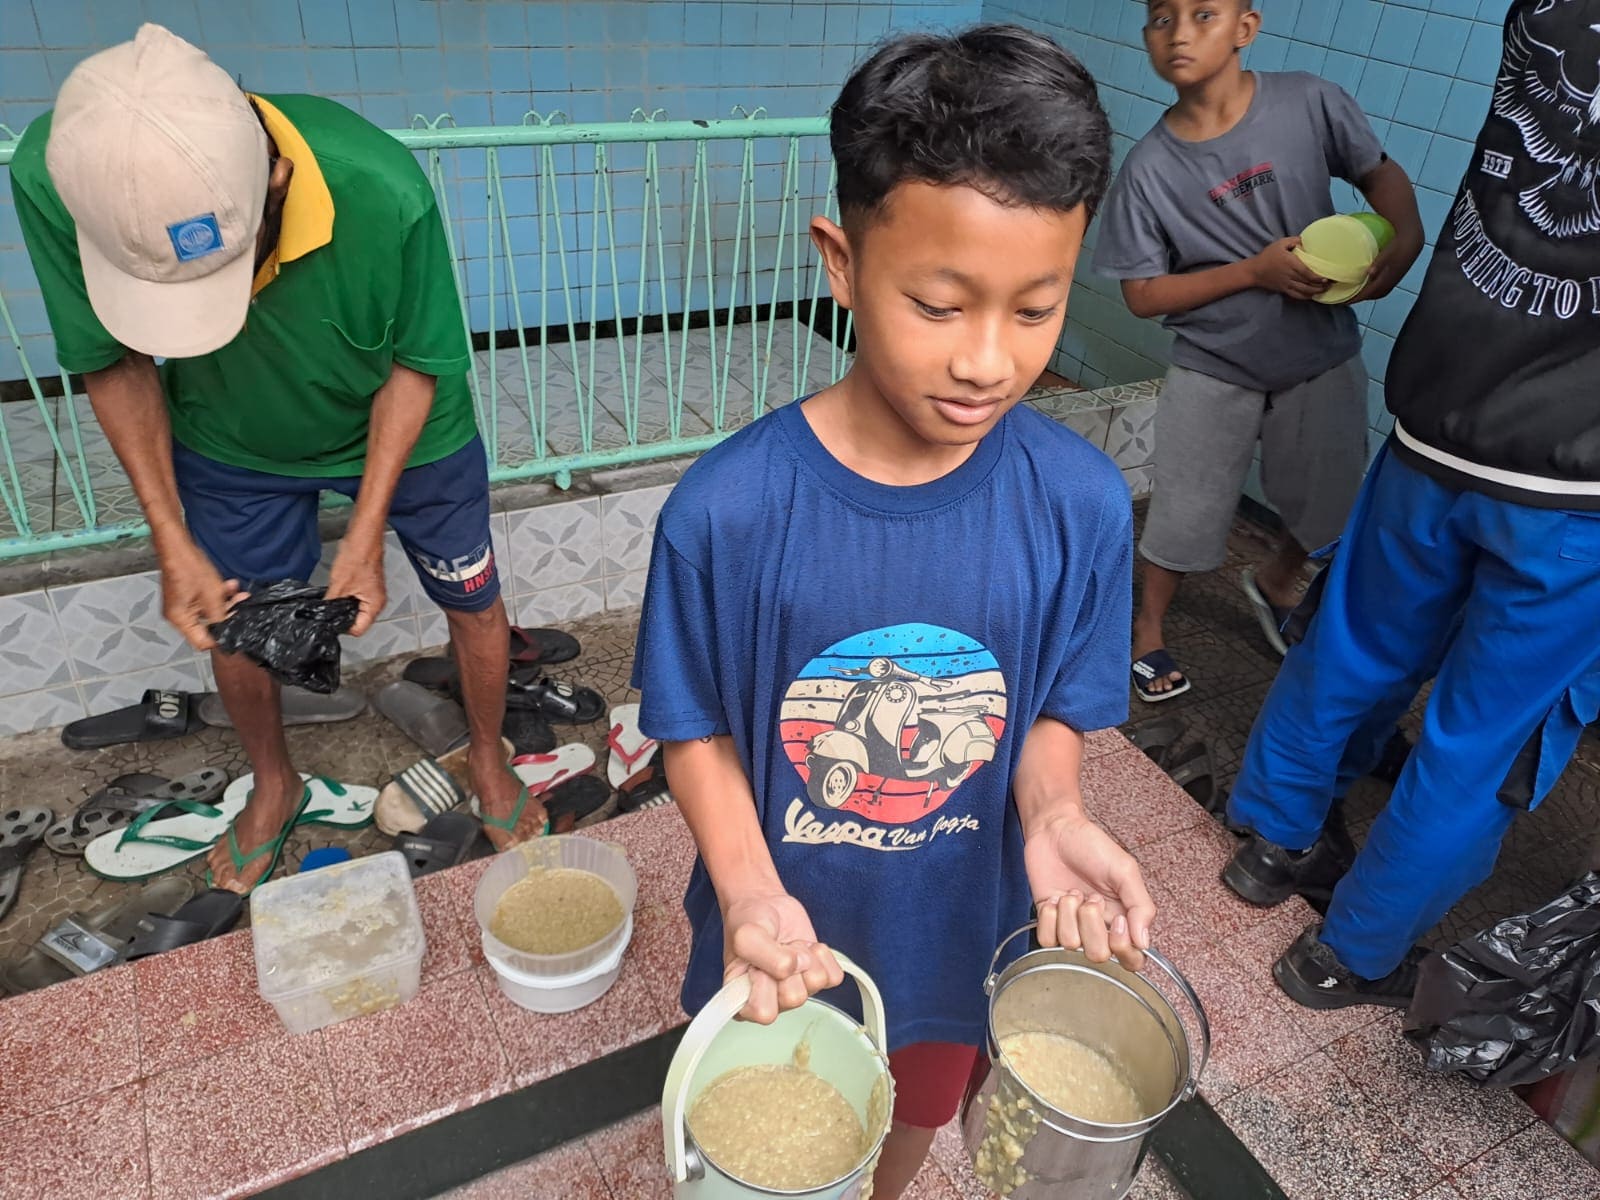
(162, 838)
(341, 805)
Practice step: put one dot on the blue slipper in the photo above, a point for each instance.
(1158, 664)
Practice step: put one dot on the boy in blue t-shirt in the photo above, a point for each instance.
(878, 621)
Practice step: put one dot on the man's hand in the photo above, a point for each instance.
(770, 938)
(358, 571)
(194, 596)
(1089, 891)
(1276, 269)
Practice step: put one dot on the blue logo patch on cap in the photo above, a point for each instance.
(196, 237)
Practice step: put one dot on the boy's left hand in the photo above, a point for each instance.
(1088, 891)
(1388, 269)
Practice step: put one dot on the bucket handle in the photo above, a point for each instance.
(1192, 1084)
(703, 1030)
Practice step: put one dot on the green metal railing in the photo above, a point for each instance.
(697, 309)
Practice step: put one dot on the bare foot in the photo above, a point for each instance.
(497, 791)
(1147, 636)
(272, 803)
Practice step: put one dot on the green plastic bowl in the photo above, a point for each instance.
(1382, 232)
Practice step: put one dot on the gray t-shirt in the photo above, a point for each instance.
(1180, 206)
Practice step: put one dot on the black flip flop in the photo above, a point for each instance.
(559, 703)
(568, 803)
(1158, 737)
(159, 716)
(210, 914)
(447, 840)
(645, 788)
(542, 647)
(1158, 664)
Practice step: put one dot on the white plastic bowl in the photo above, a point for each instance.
(556, 983)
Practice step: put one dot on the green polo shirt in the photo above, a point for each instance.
(292, 394)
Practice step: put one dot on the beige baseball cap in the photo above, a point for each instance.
(162, 163)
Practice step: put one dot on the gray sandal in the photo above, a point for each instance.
(21, 831)
(84, 942)
(125, 798)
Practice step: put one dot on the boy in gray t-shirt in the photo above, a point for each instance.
(1199, 227)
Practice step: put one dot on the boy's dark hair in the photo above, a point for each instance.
(998, 108)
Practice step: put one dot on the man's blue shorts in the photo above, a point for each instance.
(258, 528)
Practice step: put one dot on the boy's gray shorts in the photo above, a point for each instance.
(1313, 456)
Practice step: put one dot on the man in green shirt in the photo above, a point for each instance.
(285, 259)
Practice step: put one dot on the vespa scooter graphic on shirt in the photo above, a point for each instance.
(889, 723)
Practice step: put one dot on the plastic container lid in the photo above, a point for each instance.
(323, 928)
(580, 853)
(1338, 272)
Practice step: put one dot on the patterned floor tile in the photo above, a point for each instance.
(68, 1042)
(33, 651)
(570, 1173)
(1451, 1120)
(114, 626)
(27, 711)
(200, 1001)
(1321, 1139)
(555, 545)
(95, 1146)
(409, 1066)
(628, 523)
(1536, 1162)
(239, 1123)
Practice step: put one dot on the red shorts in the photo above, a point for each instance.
(930, 1080)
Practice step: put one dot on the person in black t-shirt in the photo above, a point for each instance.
(1472, 556)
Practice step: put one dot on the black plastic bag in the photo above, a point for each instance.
(292, 631)
(1519, 1001)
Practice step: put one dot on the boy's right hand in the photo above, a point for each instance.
(770, 938)
(1277, 270)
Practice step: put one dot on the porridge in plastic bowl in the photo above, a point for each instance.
(778, 1126)
(556, 910)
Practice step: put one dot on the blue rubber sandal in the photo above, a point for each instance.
(274, 847)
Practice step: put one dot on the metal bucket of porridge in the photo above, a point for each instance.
(1087, 1059)
(850, 1058)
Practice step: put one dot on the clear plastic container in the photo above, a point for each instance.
(557, 982)
(338, 942)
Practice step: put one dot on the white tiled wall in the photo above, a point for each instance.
(69, 651)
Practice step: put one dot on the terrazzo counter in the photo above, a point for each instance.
(171, 1078)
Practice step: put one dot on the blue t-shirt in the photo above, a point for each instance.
(878, 655)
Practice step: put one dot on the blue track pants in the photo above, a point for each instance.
(1500, 603)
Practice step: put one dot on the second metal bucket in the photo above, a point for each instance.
(1024, 1148)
